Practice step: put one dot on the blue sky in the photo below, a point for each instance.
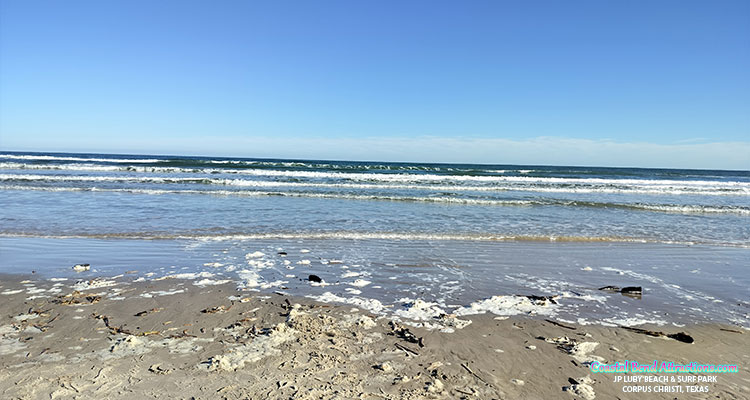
(636, 83)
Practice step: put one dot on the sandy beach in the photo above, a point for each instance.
(115, 338)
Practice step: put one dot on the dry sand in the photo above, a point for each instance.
(170, 339)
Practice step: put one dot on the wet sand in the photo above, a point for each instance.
(113, 338)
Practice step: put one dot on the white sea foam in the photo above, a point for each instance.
(509, 305)
(561, 185)
(666, 208)
(191, 275)
(418, 310)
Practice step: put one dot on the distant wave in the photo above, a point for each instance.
(666, 208)
(415, 181)
(353, 235)
(385, 177)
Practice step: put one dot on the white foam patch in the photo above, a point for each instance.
(509, 305)
(252, 280)
(191, 275)
(429, 316)
(93, 284)
(24, 317)
(210, 282)
(419, 310)
(633, 321)
(360, 283)
(256, 254)
(162, 293)
(213, 264)
(10, 345)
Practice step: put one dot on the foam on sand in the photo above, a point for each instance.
(260, 347)
(510, 305)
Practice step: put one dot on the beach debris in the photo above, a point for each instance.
(468, 391)
(405, 334)
(219, 309)
(262, 346)
(531, 347)
(142, 313)
(541, 299)
(314, 278)
(559, 324)
(578, 350)
(435, 386)
(406, 349)
(680, 336)
(581, 387)
(112, 329)
(159, 370)
(385, 366)
(631, 291)
(77, 298)
(81, 267)
(183, 334)
(517, 382)
(474, 374)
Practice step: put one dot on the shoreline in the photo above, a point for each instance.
(170, 338)
(447, 276)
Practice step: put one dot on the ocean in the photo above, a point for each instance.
(388, 233)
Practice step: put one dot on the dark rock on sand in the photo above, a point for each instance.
(680, 336)
(551, 299)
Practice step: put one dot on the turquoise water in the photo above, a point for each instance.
(443, 232)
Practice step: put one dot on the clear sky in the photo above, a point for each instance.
(627, 83)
